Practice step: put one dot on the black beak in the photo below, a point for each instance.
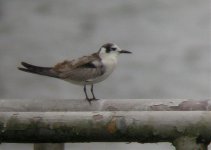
(125, 51)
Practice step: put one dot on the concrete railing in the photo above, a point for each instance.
(184, 123)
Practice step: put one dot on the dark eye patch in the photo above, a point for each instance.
(113, 48)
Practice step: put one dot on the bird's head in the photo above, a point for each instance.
(111, 50)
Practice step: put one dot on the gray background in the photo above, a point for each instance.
(170, 41)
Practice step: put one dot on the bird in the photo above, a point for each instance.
(86, 70)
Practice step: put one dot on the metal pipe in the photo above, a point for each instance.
(116, 126)
(48, 146)
(182, 122)
(61, 105)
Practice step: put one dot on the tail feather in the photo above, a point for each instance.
(46, 71)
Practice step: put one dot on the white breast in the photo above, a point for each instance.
(110, 64)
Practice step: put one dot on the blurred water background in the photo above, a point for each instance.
(170, 41)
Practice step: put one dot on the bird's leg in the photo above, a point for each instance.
(92, 91)
(87, 98)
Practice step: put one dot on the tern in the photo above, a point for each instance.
(86, 70)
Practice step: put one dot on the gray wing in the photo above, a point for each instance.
(85, 72)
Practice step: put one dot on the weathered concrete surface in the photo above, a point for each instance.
(116, 126)
(61, 105)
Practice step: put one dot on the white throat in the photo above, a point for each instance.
(109, 60)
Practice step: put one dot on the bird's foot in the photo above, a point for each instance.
(91, 99)
(94, 99)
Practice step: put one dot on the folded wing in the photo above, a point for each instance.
(82, 69)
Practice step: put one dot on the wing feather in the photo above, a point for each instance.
(82, 69)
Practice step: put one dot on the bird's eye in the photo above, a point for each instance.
(113, 48)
